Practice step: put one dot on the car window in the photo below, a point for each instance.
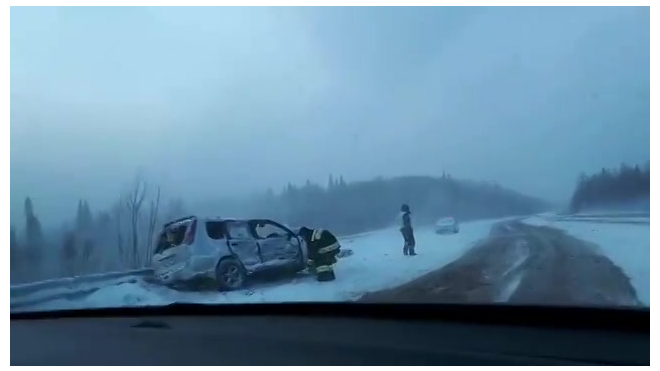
(215, 230)
(267, 229)
(239, 230)
(178, 233)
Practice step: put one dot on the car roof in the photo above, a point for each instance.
(206, 218)
(231, 219)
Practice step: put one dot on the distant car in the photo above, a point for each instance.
(446, 225)
(225, 251)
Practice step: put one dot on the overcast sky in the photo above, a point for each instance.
(209, 101)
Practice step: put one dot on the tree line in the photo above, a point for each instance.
(112, 239)
(121, 236)
(612, 188)
(353, 207)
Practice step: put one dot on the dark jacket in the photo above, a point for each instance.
(404, 222)
(322, 248)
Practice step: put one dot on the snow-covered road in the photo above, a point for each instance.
(628, 245)
(377, 263)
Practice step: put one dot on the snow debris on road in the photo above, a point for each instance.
(626, 245)
(377, 263)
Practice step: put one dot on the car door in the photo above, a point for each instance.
(243, 244)
(278, 244)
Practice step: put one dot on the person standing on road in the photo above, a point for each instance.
(407, 231)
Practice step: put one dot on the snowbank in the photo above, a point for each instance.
(377, 263)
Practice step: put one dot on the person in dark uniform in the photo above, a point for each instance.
(407, 231)
(322, 250)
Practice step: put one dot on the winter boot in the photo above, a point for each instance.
(325, 276)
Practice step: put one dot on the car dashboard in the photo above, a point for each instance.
(331, 334)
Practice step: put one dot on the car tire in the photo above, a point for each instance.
(455, 229)
(230, 275)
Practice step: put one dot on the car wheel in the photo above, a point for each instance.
(455, 229)
(229, 275)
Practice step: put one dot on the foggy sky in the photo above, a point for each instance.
(222, 101)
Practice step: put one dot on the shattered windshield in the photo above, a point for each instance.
(251, 155)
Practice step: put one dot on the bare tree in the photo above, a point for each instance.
(118, 229)
(153, 216)
(133, 205)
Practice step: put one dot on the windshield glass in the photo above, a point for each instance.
(256, 154)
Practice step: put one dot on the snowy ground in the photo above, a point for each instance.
(377, 263)
(628, 245)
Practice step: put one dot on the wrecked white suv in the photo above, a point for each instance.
(225, 251)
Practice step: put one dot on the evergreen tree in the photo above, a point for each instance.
(87, 216)
(68, 254)
(14, 249)
(84, 239)
(331, 182)
(611, 187)
(33, 233)
(13, 240)
(84, 219)
(79, 216)
(342, 182)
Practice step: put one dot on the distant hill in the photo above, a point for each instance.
(354, 207)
